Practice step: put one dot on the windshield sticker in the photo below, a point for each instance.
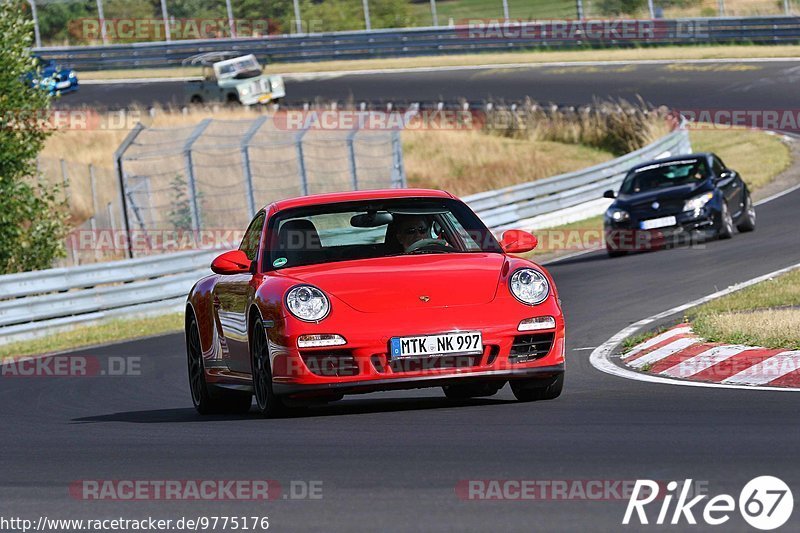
(279, 262)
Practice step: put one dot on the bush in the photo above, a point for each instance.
(32, 227)
(618, 128)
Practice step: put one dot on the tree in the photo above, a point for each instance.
(32, 222)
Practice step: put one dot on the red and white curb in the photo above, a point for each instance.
(679, 353)
(674, 357)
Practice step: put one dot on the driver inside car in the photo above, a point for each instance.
(412, 228)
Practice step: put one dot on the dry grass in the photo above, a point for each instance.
(756, 155)
(733, 8)
(533, 57)
(765, 314)
(776, 328)
(466, 162)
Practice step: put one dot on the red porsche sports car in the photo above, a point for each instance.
(367, 291)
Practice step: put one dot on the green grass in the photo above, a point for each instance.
(634, 340)
(116, 330)
(756, 155)
(766, 314)
(462, 10)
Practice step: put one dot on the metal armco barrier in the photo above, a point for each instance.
(46, 301)
(439, 40)
(504, 207)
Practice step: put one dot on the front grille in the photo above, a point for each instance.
(666, 207)
(531, 347)
(333, 363)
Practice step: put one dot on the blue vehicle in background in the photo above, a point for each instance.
(52, 77)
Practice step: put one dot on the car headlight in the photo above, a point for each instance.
(308, 303)
(529, 286)
(244, 91)
(71, 74)
(697, 202)
(617, 215)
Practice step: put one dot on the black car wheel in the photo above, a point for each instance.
(221, 401)
(268, 404)
(748, 222)
(531, 390)
(471, 390)
(725, 230)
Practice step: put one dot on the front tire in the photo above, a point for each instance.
(205, 399)
(748, 222)
(532, 390)
(268, 404)
(725, 230)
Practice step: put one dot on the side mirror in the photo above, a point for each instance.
(610, 194)
(515, 241)
(725, 174)
(233, 262)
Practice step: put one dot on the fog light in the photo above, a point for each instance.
(540, 322)
(316, 341)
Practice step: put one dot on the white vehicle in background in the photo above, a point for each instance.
(232, 80)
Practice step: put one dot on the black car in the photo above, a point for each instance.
(675, 200)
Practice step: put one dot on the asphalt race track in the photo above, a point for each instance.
(723, 85)
(392, 461)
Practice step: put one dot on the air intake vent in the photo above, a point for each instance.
(531, 347)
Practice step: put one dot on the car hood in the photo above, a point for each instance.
(680, 192)
(396, 283)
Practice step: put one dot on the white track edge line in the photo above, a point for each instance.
(601, 356)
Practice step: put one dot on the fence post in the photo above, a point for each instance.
(651, 9)
(165, 17)
(37, 35)
(579, 9)
(301, 162)
(187, 152)
(65, 180)
(248, 174)
(505, 9)
(787, 8)
(366, 14)
(351, 152)
(398, 171)
(102, 17)
(721, 8)
(298, 22)
(434, 15)
(118, 155)
(93, 220)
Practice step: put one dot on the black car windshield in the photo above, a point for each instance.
(375, 228)
(663, 175)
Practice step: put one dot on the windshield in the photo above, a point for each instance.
(372, 229)
(663, 175)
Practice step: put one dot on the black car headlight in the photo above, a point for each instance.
(616, 214)
(529, 286)
(698, 202)
(307, 303)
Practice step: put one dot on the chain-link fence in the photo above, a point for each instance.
(91, 197)
(77, 22)
(207, 181)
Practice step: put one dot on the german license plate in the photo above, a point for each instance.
(462, 342)
(654, 223)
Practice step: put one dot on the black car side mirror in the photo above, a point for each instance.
(725, 174)
(610, 194)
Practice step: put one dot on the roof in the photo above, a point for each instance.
(681, 157)
(355, 196)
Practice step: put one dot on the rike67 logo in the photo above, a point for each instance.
(765, 503)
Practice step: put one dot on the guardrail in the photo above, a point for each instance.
(436, 41)
(509, 206)
(47, 301)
